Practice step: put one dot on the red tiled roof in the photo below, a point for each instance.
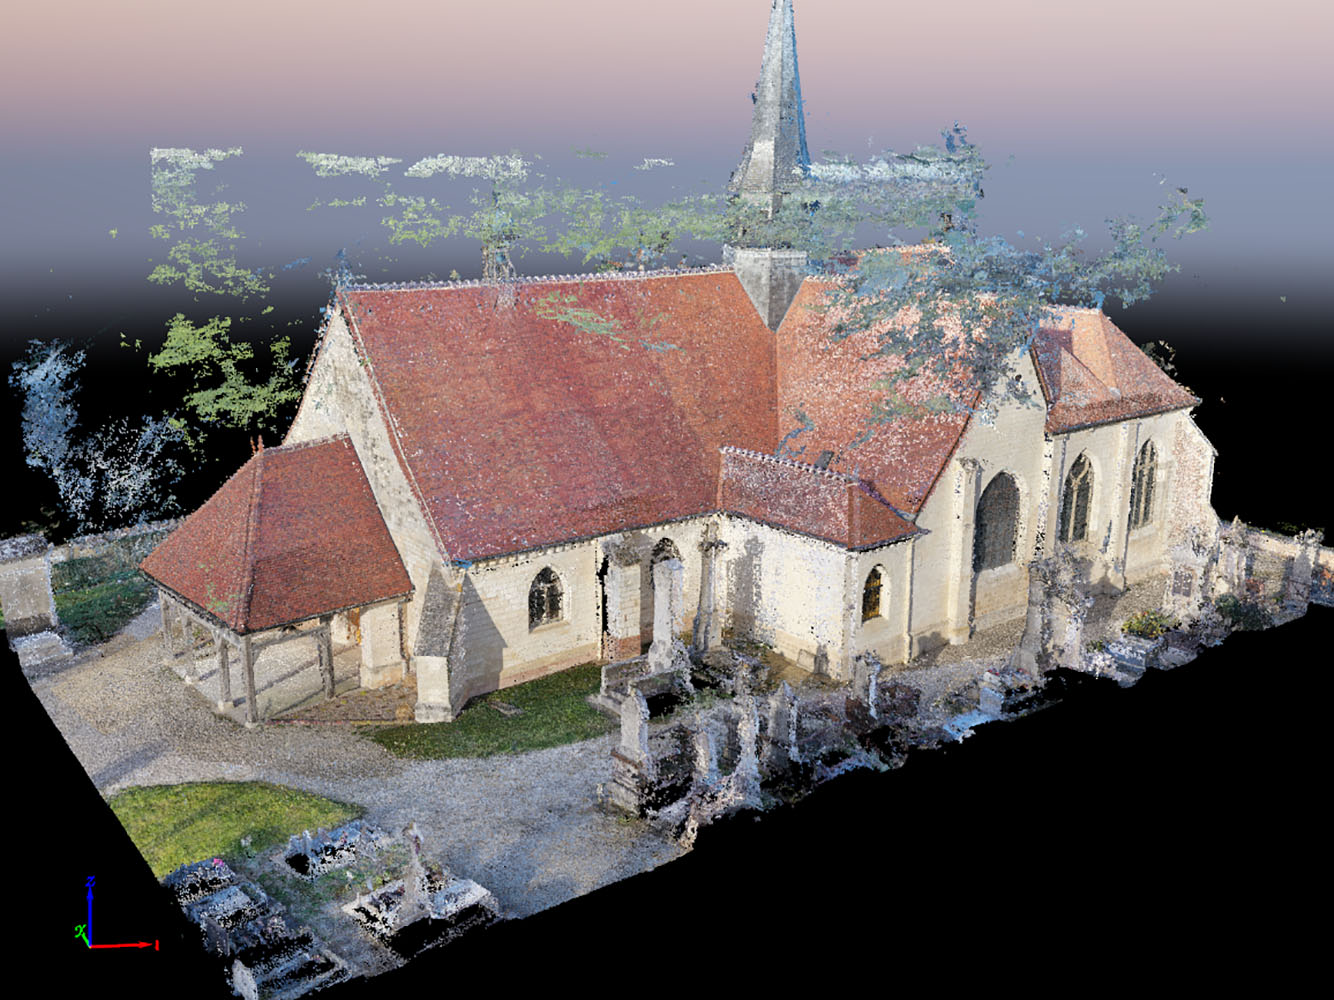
(1092, 373)
(582, 408)
(832, 383)
(294, 534)
(829, 505)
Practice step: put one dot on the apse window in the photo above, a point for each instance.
(871, 595)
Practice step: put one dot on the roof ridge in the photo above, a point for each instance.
(667, 272)
(292, 446)
(251, 525)
(793, 463)
(391, 429)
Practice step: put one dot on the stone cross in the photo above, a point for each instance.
(708, 627)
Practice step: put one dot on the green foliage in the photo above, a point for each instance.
(1150, 624)
(953, 309)
(202, 255)
(174, 825)
(417, 220)
(555, 712)
(1246, 616)
(226, 390)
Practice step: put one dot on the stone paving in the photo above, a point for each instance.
(525, 826)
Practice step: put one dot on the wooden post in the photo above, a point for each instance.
(325, 639)
(191, 663)
(224, 676)
(248, 663)
(169, 652)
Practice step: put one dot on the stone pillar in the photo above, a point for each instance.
(781, 745)
(225, 700)
(866, 679)
(248, 667)
(631, 764)
(1118, 548)
(668, 601)
(707, 632)
(961, 551)
(381, 652)
(747, 773)
(706, 757)
(622, 585)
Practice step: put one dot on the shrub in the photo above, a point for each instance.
(1150, 624)
(1246, 616)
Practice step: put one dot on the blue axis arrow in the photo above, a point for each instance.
(89, 929)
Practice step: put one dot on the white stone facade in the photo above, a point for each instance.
(467, 628)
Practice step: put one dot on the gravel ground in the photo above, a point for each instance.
(526, 826)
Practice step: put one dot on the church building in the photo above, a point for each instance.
(479, 481)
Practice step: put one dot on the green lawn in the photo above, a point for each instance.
(555, 712)
(173, 825)
(96, 596)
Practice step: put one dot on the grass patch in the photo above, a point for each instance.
(96, 596)
(555, 712)
(174, 825)
(95, 614)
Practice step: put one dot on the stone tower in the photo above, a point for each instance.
(776, 157)
(774, 162)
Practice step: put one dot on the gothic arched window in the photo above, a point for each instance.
(544, 598)
(997, 524)
(1141, 486)
(1076, 501)
(871, 595)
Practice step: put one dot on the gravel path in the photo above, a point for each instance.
(526, 826)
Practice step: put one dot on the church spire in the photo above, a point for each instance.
(776, 155)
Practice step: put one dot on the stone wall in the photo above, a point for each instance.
(95, 545)
(790, 592)
(25, 586)
(339, 398)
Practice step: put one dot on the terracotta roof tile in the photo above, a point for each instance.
(1092, 373)
(582, 408)
(295, 533)
(796, 495)
(833, 385)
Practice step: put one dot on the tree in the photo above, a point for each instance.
(123, 472)
(202, 255)
(227, 387)
(947, 301)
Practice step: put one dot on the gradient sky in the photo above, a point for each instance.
(1083, 110)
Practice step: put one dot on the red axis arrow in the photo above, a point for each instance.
(139, 944)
